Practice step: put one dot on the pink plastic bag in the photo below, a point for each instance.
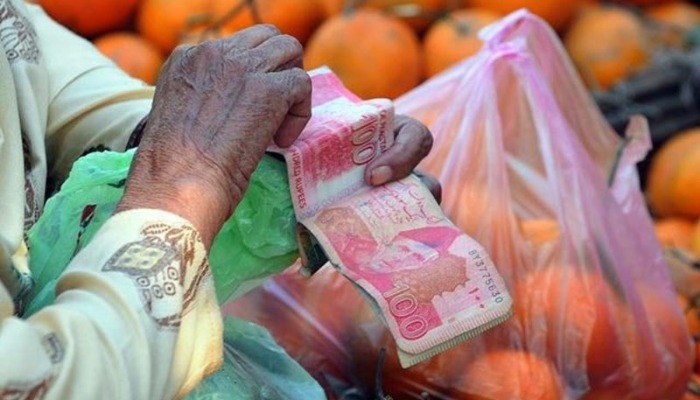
(532, 171)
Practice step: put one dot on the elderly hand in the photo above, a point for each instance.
(217, 106)
(413, 143)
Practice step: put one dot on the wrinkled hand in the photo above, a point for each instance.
(412, 143)
(217, 106)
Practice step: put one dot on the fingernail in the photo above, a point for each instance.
(381, 175)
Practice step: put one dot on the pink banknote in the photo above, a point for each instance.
(326, 163)
(433, 285)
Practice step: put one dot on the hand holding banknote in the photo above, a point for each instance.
(429, 282)
(413, 141)
(217, 107)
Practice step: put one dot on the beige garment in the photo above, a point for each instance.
(137, 316)
(58, 98)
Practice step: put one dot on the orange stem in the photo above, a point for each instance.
(255, 12)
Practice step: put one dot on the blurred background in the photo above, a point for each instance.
(635, 56)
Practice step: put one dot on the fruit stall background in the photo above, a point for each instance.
(635, 56)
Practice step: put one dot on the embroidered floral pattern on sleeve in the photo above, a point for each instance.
(167, 267)
(38, 388)
(17, 35)
(32, 208)
(33, 391)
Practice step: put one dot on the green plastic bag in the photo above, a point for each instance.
(255, 368)
(256, 242)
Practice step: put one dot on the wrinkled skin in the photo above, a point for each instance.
(413, 142)
(217, 107)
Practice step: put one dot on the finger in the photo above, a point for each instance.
(296, 63)
(252, 37)
(431, 183)
(276, 52)
(179, 55)
(298, 84)
(413, 142)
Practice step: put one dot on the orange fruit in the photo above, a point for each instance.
(694, 383)
(443, 376)
(373, 54)
(670, 353)
(330, 8)
(557, 13)
(657, 348)
(540, 231)
(645, 3)
(572, 310)
(298, 18)
(472, 210)
(454, 38)
(686, 188)
(680, 14)
(673, 181)
(676, 19)
(133, 54)
(674, 231)
(511, 374)
(165, 22)
(419, 14)
(607, 44)
(91, 17)
(695, 240)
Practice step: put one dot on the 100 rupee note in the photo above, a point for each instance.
(433, 285)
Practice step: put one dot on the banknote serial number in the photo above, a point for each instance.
(403, 305)
(487, 279)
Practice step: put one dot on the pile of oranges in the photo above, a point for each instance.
(380, 48)
(673, 193)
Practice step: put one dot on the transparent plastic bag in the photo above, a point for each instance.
(532, 171)
(255, 243)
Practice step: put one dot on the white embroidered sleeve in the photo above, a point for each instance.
(136, 317)
(92, 103)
